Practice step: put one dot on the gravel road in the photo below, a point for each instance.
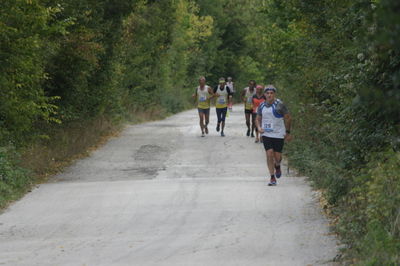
(159, 194)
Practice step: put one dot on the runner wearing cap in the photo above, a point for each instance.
(247, 97)
(258, 98)
(232, 88)
(223, 96)
(203, 94)
(273, 122)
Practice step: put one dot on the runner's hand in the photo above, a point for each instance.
(260, 130)
(288, 137)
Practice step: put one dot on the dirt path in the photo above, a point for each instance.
(162, 195)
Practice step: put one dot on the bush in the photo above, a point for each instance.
(13, 180)
(372, 216)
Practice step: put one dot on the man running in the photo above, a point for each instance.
(203, 94)
(273, 122)
(223, 96)
(232, 88)
(258, 98)
(247, 97)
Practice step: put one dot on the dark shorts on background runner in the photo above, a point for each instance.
(273, 143)
(248, 111)
(205, 111)
(221, 114)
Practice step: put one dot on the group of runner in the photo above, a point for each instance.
(204, 93)
(252, 96)
(265, 115)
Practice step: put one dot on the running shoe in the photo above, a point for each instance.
(257, 140)
(272, 182)
(248, 132)
(217, 128)
(202, 134)
(206, 130)
(278, 172)
(252, 134)
(222, 134)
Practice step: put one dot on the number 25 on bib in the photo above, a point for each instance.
(268, 127)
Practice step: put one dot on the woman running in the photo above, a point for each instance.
(258, 98)
(247, 97)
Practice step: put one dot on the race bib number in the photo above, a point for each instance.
(203, 99)
(249, 100)
(221, 100)
(268, 127)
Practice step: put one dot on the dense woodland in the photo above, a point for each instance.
(71, 66)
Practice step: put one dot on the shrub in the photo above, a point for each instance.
(372, 215)
(13, 179)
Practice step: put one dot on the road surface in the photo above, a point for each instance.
(159, 194)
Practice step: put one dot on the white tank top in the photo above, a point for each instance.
(272, 122)
(202, 95)
(249, 98)
(222, 99)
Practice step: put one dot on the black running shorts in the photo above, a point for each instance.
(273, 143)
(205, 111)
(221, 114)
(246, 111)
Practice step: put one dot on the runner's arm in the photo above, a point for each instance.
(258, 120)
(258, 123)
(288, 123)
(195, 96)
(230, 94)
(210, 91)
(215, 91)
(282, 109)
(242, 94)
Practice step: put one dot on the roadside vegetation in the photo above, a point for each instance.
(74, 71)
(338, 66)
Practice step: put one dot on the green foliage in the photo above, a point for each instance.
(378, 247)
(374, 219)
(24, 27)
(69, 61)
(13, 179)
(337, 65)
(162, 45)
(84, 68)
